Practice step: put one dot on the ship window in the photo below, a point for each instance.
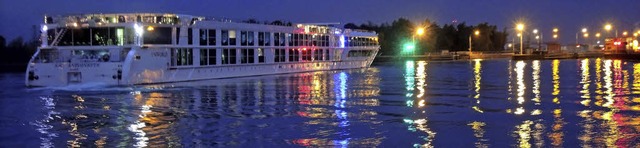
(306, 54)
(182, 56)
(317, 55)
(177, 36)
(308, 39)
(295, 40)
(159, 35)
(232, 37)
(260, 55)
(290, 39)
(47, 56)
(189, 36)
(75, 37)
(359, 53)
(203, 37)
(250, 38)
(247, 56)
(293, 55)
(212, 37)
(279, 55)
(208, 37)
(207, 56)
(314, 41)
(243, 38)
(260, 38)
(225, 37)
(278, 39)
(228, 56)
(325, 40)
(326, 55)
(267, 39)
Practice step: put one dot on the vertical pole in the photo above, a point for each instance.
(521, 45)
(470, 44)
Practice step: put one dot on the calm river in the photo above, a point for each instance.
(476, 103)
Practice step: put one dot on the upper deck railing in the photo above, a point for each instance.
(156, 18)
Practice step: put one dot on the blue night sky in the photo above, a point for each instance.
(17, 16)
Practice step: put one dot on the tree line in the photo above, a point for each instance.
(15, 54)
(451, 37)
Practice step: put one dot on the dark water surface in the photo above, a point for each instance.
(478, 103)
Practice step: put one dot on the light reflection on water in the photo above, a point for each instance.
(481, 103)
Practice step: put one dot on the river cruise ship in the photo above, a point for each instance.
(148, 48)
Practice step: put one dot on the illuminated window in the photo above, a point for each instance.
(232, 37)
(290, 38)
(260, 55)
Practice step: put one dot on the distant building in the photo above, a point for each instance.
(553, 48)
(620, 44)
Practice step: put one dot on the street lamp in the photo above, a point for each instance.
(420, 31)
(625, 33)
(520, 27)
(477, 32)
(584, 31)
(538, 38)
(608, 27)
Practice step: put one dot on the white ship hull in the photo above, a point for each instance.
(131, 49)
(150, 69)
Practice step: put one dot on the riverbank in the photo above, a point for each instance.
(480, 55)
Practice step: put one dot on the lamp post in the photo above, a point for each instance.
(520, 28)
(419, 32)
(555, 34)
(538, 38)
(477, 32)
(584, 30)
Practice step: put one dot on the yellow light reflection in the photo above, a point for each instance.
(555, 70)
(521, 88)
(421, 74)
(636, 79)
(536, 82)
(477, 68)
(524, 134)
(478, 132)
(557, 134)
(608, 84)
(598, 81)
(584, 66)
